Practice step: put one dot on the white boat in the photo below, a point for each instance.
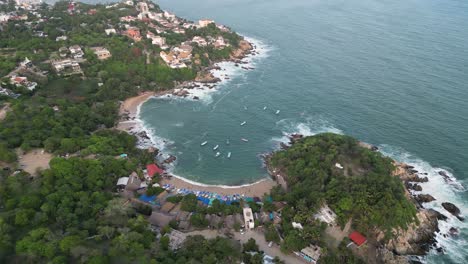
(217, 154)
(277, 111)
(227, 142)
(216, 147)
(243, 123)
(244, 139)
(229, 155)
(204, 143)
(264, 108)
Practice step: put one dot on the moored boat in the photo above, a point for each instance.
(203, 143)
(277, 111)
(216, 147)
(229, 155)
(244, 139)
(217, 154)
(243, 123)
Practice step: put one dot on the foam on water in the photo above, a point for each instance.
(443, 189)
(307, 127)
(226, 71)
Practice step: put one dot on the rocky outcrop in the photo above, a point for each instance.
(171, 159)
(424, 198)
(181, 93)
(244, 48)
(453, 209)
(206, 77)
(417, 239)
(386, 256)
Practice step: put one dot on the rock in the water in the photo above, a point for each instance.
(171, 159)
(453, 209)
(424, 198)
(453, 231)
(196, 98)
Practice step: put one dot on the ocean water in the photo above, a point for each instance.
(391, 73)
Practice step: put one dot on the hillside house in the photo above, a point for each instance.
(101, 52)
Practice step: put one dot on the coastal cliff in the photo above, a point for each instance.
(417, 237)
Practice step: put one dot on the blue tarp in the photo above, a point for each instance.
(146, 198)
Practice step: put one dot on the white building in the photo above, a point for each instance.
(311, 253)
(61, 38)
(325, 214)
(204, 22)
(142, 7)
(248, 218)
(76, 52)
(169, 16)
(101, 53)
(200, 41)
(110, 31)
(4, 17)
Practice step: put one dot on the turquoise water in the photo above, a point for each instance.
(391, 73)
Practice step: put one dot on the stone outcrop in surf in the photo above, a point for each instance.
(417, 239)
(453, 209)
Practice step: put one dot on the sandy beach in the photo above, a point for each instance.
(129, 110)
(256, 189)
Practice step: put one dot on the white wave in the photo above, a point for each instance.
(226, 71)
(443, 191)
(308, 127)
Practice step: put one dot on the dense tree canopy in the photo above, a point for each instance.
(363, 190)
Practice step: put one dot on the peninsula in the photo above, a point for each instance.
(76, 188)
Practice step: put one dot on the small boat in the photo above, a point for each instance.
(243, 123)
(227, 142)
(217, 154)
(264, 108)
(277, 111)
(244, 139)
(216, 147)
(203, 143)
(229, 155)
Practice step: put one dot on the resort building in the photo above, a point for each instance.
(357, 238)
(171, 60)
(152, 169)
(157, 40)
(142, 7)
(220, 43)
(169, 16)
(133, 33)
(200, 41)
(101, 52)
(23, 81)
(311, 253)
(128, 19)
(133, 182)
(204, 22)
(66, 67)
(76, 52)
(248, 218)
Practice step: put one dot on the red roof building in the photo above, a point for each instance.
(153, 169)
(357, 238)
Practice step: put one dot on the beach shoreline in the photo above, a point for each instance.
(131, 123)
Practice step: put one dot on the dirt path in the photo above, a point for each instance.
(273, 251)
